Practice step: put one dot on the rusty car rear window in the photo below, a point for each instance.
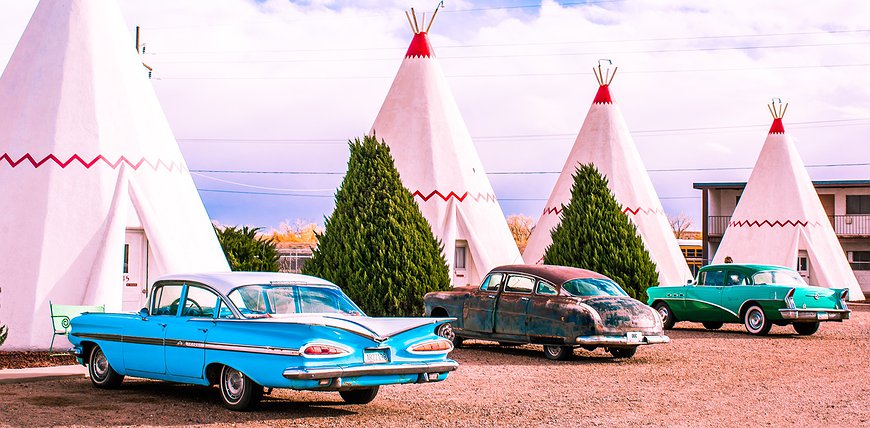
(590, 287)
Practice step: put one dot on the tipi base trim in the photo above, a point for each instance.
(171, 166)
(486, 197)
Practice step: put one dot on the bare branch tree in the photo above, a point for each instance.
(520, 226)
(680, 224)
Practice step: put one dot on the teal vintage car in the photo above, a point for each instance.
(756, 295)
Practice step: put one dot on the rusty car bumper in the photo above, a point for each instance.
(622, 340)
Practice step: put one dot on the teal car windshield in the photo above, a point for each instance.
(778, 277)
(257, 301)
(591, 287)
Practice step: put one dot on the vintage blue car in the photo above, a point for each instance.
(250, 331)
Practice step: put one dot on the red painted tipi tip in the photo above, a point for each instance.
(778, 111)
(604, 78)
(420, 47)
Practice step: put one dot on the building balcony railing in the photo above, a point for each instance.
(849, 225)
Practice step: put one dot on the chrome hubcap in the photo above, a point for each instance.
(234, 383)
(446, 331)
(663, 311)
(756, 319)
(552, 350)
(100, 365)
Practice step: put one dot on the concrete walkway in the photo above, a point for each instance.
(41, 373)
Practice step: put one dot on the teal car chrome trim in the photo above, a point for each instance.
(815, 314)
(396, 369)
(622, 340)
(710, 304)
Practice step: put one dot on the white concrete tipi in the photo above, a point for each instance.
(780, 217)
(605, 141)
(97, 199)
(438, 163)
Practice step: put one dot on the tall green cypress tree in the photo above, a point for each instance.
(377, 245)
(595, 234)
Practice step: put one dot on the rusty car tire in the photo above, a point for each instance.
(668, 318)
(558, 352)
(359, 396)
(756, 321)
(622, 352)
(806, 328)
(102, 374)
(710, 325)
(446, 331)
(238, 391)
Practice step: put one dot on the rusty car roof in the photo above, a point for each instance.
(556, 274)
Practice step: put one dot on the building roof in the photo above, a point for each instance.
(817, 183)
(556, 274)
(226, 281)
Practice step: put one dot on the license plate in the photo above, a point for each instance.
(634, 336)
(822, 315)
(376, 356)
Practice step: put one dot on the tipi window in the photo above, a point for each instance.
(857, 204)
(126, 258)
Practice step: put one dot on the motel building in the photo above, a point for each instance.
(847, 203)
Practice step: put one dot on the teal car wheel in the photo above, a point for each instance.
(755, 321)
(668, 319)
(710, 325)
(238, 391)
(101, 372)
(806, 328)
(359, 396)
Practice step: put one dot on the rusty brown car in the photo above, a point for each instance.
(555, 306)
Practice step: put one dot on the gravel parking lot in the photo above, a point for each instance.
(702, 378)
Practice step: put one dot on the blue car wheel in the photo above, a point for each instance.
(101, 372)
(238, 391)
(359, 396)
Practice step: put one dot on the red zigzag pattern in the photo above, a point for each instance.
(172, 166)
(486, 197)
(756, 223)
(558, 210)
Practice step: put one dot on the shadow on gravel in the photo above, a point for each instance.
(530, 355)
(703, 333)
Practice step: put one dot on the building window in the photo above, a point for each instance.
(860, 260)
(857, 204)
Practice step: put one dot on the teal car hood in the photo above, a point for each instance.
(375, 328)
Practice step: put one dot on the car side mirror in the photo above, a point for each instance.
(689, 282)
(143, 313)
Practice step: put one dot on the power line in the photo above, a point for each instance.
(502, 138)
(546, 43)
(529, 55)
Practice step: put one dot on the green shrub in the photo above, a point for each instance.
(595, 234)
(377, 245)
(245, 251)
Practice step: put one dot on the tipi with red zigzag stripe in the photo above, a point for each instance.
(97, 199)
(780, 216)
(438, 163)
(605, 141)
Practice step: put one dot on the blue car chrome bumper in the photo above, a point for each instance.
(336, 372)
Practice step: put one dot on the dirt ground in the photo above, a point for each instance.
(718, 379)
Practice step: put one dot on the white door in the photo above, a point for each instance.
(460, 264)
(135, 280)
(803, 265)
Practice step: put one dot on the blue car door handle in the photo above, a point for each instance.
(162, 324)
(204, 330)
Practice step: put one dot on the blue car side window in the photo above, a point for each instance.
(166, 300)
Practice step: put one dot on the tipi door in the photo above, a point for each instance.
(135, 281)
(460, 264)
(803, 265)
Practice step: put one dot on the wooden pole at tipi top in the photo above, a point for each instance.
(415, 26)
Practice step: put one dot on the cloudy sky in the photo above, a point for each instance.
(263, 95)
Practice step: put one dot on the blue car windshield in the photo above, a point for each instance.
(591, 287)
(257, 301)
